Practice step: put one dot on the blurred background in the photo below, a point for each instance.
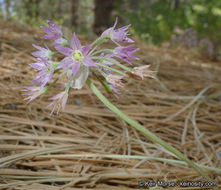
(187, 23)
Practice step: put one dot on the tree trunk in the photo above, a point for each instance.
(103, 11)
(37, 9)
(28, 5)
(176, 4)
(7, 6)
(74, 14)
(59, 8)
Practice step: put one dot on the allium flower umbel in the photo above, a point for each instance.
(80, 62)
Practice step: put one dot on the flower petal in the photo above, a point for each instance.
(39, 48)
(60, 42)
(85, 49)
(65, 63)
(87, 61)
(75, 68)
(37, 65)
(64, 101)
(107, 31)
(115, 24)
(46, 29)
(123, 28)
(54, 27)
(81, 77)
(75, 43)
(64, 50)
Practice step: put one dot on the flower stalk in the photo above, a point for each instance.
(101, 51)
(110, 68)
(114, 62)
(99, 40)
(144, 131)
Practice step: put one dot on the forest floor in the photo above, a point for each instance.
(87, 146)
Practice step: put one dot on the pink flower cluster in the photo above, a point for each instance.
(79, 61)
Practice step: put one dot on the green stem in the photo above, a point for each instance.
(91, 52)
(99, 40)
(111, 69)
(106, 86)
(103, 51)
(144, 131)
(114, 62)
(57, 78)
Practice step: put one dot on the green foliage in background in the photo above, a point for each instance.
(205, 17)
(155, 20)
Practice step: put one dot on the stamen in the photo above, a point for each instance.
(77, 55)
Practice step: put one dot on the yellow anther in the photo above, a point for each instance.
(77, 55)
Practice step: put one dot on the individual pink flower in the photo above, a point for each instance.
(33, 92)
(115, 80)
(43, 53)
(53, 31)
(125, 53)
(45, 72)
(76, 56)
(59, 101)
(118, 35)
(60, 42)
(143, 71)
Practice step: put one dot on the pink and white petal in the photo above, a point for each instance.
(65, 63)
(49, 105)
(46, 37)
(85, 49)
(107, 31)
(75, 43)
(64, 50)
(58, 42)
(57, 96)
(87, 61)
(39, 48)
(122, 29)
(111, 29)
(50, 23)
(54, 26)
(64, 101)
(53, 109)
(115, 24)
(75, 68)
(38, 54)
(47, 79)
(38, 66)
(46, 29)
(129, 40)
(81, 77)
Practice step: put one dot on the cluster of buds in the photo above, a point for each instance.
(79, 61)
